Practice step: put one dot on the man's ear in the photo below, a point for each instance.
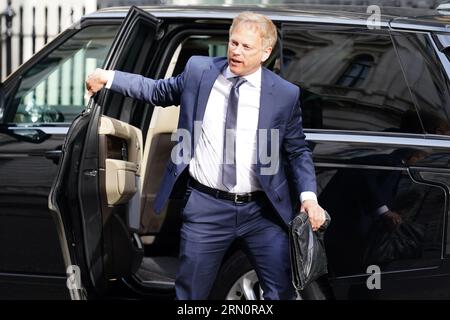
(266, 54)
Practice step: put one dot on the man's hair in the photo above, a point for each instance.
(265, 26)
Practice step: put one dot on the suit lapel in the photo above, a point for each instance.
(206, 84)
(266, 111)
(267, 100)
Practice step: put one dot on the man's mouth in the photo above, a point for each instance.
(235, 62)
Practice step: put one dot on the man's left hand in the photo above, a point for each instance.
(315, 213)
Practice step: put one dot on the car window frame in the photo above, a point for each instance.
(12, 83)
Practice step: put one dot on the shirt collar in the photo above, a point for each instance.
(254, 78)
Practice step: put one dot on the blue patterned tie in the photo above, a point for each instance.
(229, 161)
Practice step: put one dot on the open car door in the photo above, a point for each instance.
(97, 188)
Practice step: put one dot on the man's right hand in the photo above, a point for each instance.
(392, 219)
(96, 81)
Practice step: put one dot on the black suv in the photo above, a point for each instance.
(78, 177)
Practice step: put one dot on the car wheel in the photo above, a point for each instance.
(236, 280)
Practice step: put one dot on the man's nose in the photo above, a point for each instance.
(237, 50)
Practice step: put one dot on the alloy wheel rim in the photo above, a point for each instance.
(246, 288)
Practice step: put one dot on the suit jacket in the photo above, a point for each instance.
(279, 109)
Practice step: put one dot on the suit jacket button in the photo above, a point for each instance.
(175, 173)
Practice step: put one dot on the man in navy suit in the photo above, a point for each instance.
(239, 109)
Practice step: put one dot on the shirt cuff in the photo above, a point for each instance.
(382, 210)
(307, 195)
(110, 76)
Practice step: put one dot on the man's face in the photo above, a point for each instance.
(245, 50)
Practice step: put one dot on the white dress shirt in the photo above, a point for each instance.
(206, 163)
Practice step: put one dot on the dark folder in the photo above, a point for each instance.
(307, 251)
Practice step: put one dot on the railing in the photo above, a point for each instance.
(26, 28)
(8, 16)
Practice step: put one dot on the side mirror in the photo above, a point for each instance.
(32, 135)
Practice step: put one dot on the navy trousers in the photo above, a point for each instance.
(210, 225)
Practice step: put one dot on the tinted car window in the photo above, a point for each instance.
(52, 91)
(349, 81)
(426, 79)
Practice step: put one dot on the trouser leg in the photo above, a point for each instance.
(206, 234)
(268, 247)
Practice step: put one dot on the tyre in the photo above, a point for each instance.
(236, 280)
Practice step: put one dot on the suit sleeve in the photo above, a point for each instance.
(162, 92)
(298, 154)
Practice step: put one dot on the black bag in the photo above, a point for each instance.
(307, 250)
